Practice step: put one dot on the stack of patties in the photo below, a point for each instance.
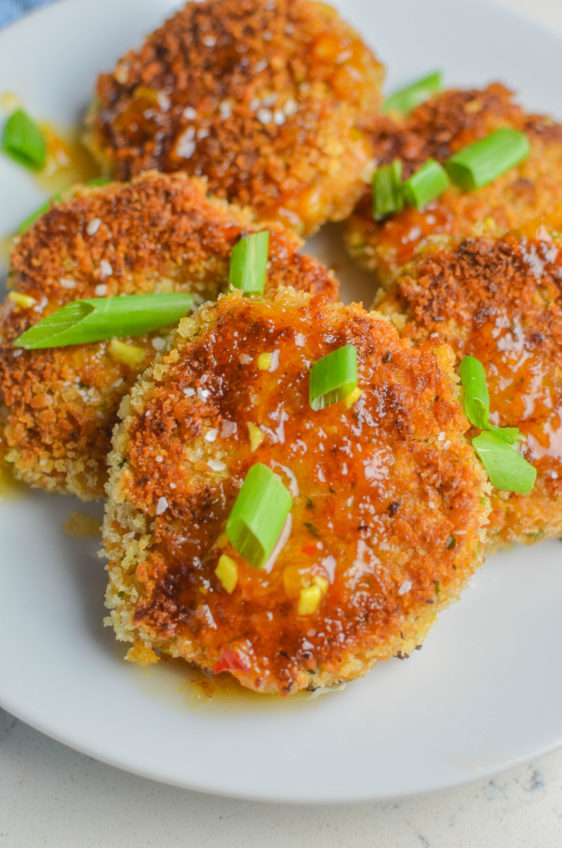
(293, 494)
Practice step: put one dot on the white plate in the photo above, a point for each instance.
(483, 694)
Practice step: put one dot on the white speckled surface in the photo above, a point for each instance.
(52, 796)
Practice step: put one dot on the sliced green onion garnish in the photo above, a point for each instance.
(476, 397)
(485, 160)
(333, 377)
(507, 434)
(248, 263)
(387, 190)
(26, 224)
(406, 99)
(258, 515)
(506, 468)
(426, 184)
(98, 181)
(100, 318)
(23, 141)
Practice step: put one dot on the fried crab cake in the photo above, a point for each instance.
(388, 498)
(499, 298)
(273, 102)
(160, 233)
(437, 129)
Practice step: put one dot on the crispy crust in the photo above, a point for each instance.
(160, 233)
(499, 297)
(439, 128)
(272, 102)
(388, 499)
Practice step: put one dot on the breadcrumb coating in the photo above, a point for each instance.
(273, 102)
(388, 498)
(499, 298)
(160, 233)
(438, 128)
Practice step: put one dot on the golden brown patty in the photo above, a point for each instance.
(272, 102)
(439, 128)
(160, 233)
(499, 297)
(388, 498)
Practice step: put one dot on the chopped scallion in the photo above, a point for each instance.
(98, 181)
(425, 185)
(84, 321)
(258, 515)
(485, 160)
(506, 468)
(333, 377)
(495, 446)
(23, 141)
(248, 263)
(407, 98)
(387, 190)
(476, 397)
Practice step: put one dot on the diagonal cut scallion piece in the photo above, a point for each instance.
(505, 466)
(248, 263)
(333, 377)
(487, 159)
(23, 141)
(96, 319)
(258, 515)
(406, 99)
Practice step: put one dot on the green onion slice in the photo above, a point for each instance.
(333, 377)
(248, 263)
(406, 99)
(387, 190)
(426, 184)
(476, 397)
(83, 321)
(258, 515)
(485, 160)
(506, 468)
(23, 141)
(98, 181)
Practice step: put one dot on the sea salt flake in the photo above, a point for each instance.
(211, 435)
(106, 268)
(405, 587)
(225, 109)
(100, 290)
(68, 284)
(161, 506)
(93, 226)
(158, 343)
(265, 116)
(216, 465)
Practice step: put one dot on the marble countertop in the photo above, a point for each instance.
(53, 796)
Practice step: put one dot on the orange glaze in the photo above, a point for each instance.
(438, 128)
(68, 161)
(361, 478)
(499, 298)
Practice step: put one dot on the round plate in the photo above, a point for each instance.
(485, 691)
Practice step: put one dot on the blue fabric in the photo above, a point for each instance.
(12, 9)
